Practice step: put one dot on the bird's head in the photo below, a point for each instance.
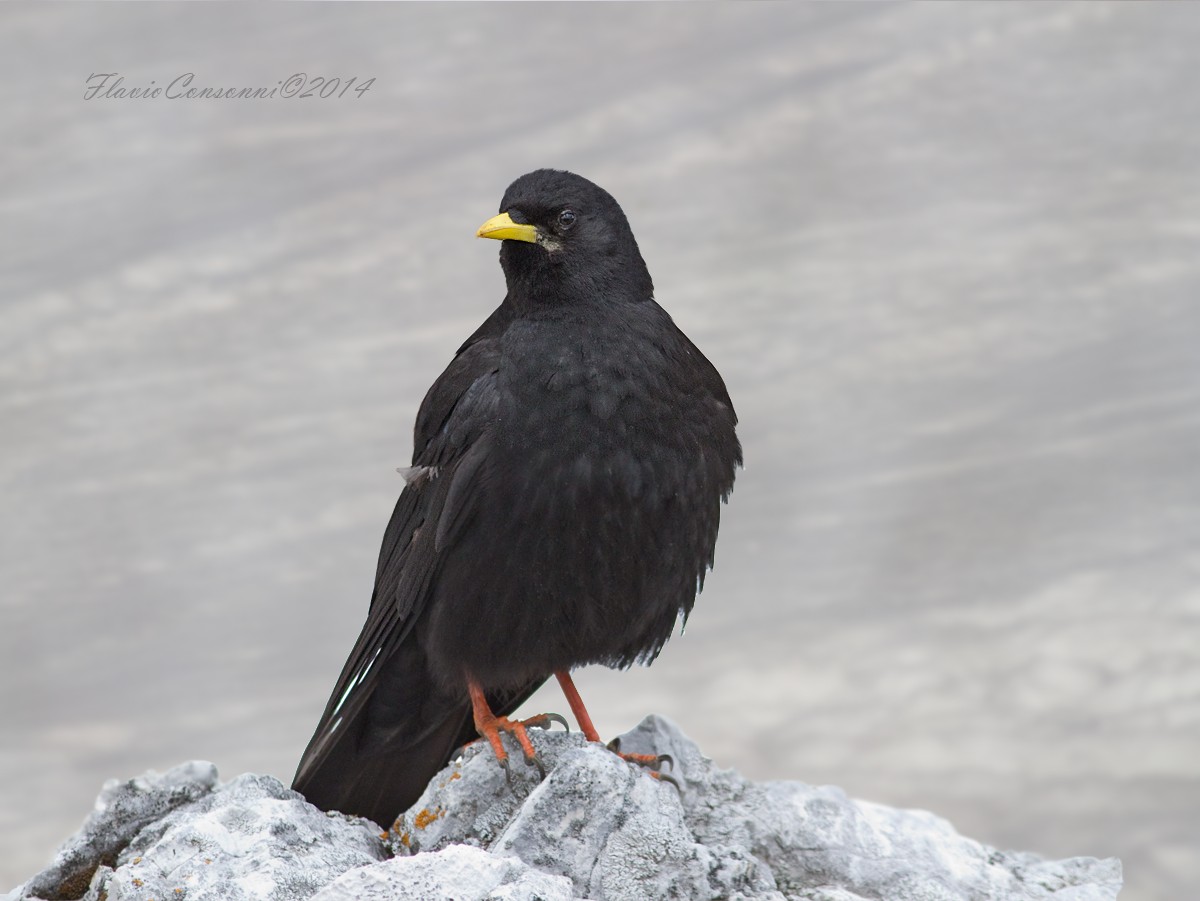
(566, 240)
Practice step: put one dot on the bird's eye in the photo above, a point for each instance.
(566, 219)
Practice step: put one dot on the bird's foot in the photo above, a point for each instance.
(492, 728)
(651, 763)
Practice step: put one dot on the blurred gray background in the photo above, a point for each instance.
(945, 256)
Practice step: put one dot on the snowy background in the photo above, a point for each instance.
(945, 256)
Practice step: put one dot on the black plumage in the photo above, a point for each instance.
(561, 508)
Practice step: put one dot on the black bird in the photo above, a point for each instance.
(561, 508)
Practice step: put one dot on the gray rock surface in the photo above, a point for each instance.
(594, 827)
(179, 835)
(458, 873)
(123, 809)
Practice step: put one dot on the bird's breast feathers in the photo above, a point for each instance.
(605, 410)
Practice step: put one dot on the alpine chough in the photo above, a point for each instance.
(561, 507)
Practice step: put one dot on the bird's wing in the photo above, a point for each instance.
(452, 438)
(445, 422)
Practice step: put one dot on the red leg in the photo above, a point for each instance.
(653, 761)
(577, 708)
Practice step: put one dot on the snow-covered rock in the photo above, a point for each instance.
(595, 827)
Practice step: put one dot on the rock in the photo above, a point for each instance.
(610, 828)
(620, 835)
(594, 827)
(459, 873)
(820, 844)
(249, 838)
(122, 810)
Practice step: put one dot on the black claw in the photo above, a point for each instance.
(615, 745)
(662, 778)
(655, 765)
(508, 776)
(537, 762)
(554, 718)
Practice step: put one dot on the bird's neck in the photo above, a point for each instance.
(538, 288)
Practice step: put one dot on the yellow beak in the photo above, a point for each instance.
(502, 228)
